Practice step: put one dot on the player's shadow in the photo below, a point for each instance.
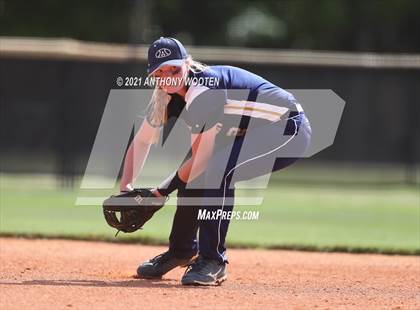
(158, 283)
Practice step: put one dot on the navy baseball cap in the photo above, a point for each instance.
(165, 51)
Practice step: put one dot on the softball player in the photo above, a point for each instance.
(233, 138)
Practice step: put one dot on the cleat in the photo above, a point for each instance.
(205, 271)
(161, 264)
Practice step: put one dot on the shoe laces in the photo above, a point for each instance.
(198, 265)
(161, 258)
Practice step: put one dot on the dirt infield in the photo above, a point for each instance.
(57, 274)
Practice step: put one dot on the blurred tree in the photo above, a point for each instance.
(375, 25)
(105, 20)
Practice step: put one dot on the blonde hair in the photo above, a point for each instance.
(156, 109)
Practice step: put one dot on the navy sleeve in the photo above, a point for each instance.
(206, 110)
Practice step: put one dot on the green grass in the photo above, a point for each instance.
(336, 217)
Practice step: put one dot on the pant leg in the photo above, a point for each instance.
(272, 148)
(213, 231)
(183, 237)
(267, 149)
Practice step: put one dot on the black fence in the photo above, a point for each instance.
(51, 109)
